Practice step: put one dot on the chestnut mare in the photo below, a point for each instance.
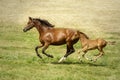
(48, 35)
(88, 44)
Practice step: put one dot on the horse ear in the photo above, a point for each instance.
(30, 18)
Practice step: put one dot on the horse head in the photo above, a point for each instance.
(30, 24)
(36, 22)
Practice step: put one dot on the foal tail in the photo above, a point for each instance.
(111, 42)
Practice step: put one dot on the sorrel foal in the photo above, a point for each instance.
(88, 44)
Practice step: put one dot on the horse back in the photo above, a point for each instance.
(59, 36)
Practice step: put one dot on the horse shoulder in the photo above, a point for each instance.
(46, 37)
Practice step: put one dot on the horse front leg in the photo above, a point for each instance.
(79, 51)
(84, 50)
(36, 50)
(44, 49)
(83, 55)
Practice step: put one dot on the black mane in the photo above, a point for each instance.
(45, 22)
(84, 35)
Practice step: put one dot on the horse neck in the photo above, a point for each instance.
(41, 29)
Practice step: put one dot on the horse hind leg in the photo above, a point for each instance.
(101, 52)
(44, 49)
(70, 50)
(66, 55)
(95, 58)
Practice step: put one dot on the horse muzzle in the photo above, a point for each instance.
(27, 28)
(24, 30)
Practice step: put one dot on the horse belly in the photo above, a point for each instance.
(92, 45)
(58, 43)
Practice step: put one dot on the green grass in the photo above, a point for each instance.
(18, 60)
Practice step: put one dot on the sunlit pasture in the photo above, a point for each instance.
(96, 18)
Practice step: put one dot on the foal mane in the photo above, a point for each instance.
(44, 22)
(84, 35)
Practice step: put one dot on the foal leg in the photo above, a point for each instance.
(43, 50)
(36, 50)
(84, 50)
(79, 54)
(83, 55)
(99, 55)
(70, 50)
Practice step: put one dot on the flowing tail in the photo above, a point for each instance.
(111, 42)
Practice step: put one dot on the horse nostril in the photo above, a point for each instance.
(24, 30)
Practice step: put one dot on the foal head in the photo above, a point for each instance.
(35, 22)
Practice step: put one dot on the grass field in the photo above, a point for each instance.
(97, 18)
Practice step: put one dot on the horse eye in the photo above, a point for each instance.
(28, 23)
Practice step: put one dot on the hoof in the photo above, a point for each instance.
(80, 60)
(39, 56)
(93, 60)
(62, 59)
(51, 56)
